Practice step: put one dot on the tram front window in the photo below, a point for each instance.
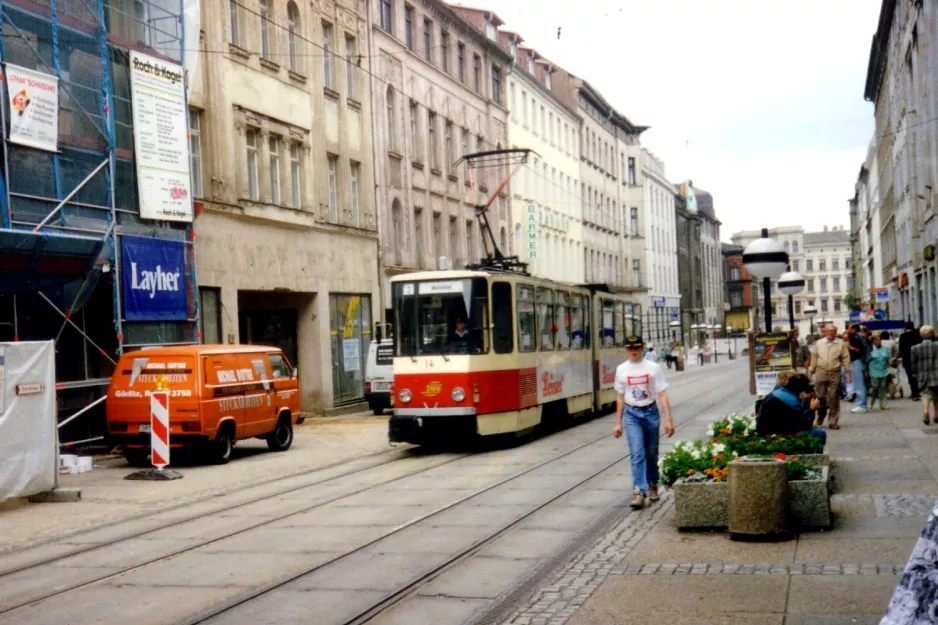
(441, 317)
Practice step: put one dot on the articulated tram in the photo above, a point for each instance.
(487, 351)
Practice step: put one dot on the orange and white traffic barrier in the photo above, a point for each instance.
(159, 427)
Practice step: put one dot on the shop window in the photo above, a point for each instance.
(350, 328)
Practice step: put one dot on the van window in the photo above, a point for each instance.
(278, 366)
(503, 326)
(526, 326)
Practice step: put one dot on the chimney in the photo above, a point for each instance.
(825, 228)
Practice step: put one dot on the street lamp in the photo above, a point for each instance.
(791, 283)
(810, 312)
(765, 259)
(729, 335)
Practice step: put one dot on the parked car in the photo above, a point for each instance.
(379, 375)
(218, 395)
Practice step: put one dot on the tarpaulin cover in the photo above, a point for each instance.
(28, 428)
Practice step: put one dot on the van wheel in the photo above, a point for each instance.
(220, 449)
(282, 437)
(137, 457)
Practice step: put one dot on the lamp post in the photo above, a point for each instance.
(810, 312)
(716, 330)
(765, 259)
(791, 283)
(730, 334)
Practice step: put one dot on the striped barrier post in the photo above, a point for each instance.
(159, 425)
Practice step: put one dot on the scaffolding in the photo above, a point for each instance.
(63, 212)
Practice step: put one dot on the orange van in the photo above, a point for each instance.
(219, 394)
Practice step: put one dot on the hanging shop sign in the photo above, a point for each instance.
(161, 146)
(34, 108)
(154, 275)
(532, 232)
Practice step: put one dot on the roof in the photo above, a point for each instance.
(206, 349)
(729, 249)
(837, 237)
(878, 50)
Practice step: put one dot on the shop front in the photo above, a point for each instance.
(351, 330)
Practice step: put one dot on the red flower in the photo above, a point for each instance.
(780, 456)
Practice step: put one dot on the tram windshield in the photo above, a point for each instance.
(441, 317)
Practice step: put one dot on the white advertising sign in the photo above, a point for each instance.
(161, 146)
(351, 354)
(563, 380)
(448, 286)
(765, 382)
(34, 108)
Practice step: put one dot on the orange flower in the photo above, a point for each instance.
(690, 471)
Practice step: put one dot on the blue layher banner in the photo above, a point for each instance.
(154, 276)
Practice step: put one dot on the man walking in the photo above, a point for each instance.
(640, 387)
(925, 367)
(907, 340)
(830, 354)
(857, 347)
(651, 355)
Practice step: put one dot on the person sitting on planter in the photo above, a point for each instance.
(783, 411)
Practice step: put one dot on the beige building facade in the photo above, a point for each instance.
(287, 233)
(439, 92)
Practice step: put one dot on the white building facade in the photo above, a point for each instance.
(546, 212)
(663, 303)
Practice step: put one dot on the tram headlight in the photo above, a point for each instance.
(404, 396)
(458, 394)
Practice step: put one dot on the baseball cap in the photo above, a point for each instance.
(634, 341)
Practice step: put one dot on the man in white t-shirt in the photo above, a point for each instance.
(640, 387)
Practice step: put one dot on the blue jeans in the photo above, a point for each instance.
(859, 382)
(641, 431)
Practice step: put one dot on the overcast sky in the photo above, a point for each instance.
(760, 102)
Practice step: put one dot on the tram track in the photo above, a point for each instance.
(687, 385)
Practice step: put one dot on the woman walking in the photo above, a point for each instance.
(880, 356)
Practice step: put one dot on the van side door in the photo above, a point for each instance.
(224, 395)
(286, 387)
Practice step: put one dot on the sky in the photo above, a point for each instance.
(758, 102)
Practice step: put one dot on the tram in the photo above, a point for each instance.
(487, 351)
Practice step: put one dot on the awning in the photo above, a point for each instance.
(32, 261)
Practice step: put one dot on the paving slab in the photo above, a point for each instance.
(384, 497)
(422, 539)
(291, 540)
(563, 516)
(505, 496)
(528, 543)
(833, 619)
(859, 527)
(370, 570)
(841, 594)
(301, 607)
(480, 577)
(16, 560)
(126, 553)
(417, 610)
(847, 484)
(470, 514)
(30, 585)
(855, 551)
(207, 528)
(599, 497)
(355, 515)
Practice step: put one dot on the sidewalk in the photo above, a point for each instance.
(885, 466)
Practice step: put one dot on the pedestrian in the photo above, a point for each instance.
(856, 345)
(640, 386)
(907, 340)
(880, 357)
(925, 367)
(830, 354)
(651, 355)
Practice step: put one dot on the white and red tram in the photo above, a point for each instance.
(528, 350)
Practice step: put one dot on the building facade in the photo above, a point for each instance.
(700, 259)
(663, 303)
(286, 200)
(546, 211)
(440, 93)
(739, 287)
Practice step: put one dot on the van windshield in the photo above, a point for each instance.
(441, 317)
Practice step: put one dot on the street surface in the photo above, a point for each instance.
(382, 537)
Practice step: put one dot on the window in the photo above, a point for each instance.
(278, 366)
(296, 188)
(448, 138)
(431, 133)
(562, 320)
(633, 220)
(547, 80)
(490, 31)
(550, 123)
(273, 155)
(452, 238)
(210, 312)
(794, 248)
(835, 264)
(735, 273)
(397, 227)
(333, 192)
(409, 27)
(461, 62)
(327, 68)
(546, 331)
(477, 73)
(354, 169)
(389, 102)
(502, 322)
(428, 40)
(293, 26)
(195, 151)
(513, 103)
(418, 237)
(438, 234)
(846, 262)
(235, 11)
(350, 65)
(822, 265)
(809, 265)
(579, 322)
(444, 50)
(526, 319)
(636, 272)
(264, 14)
(465, 141)
(631, 170)
(251, 139)
(810, 285)
(836, 285)
(796, 265)
(824, 305)
(621, 323)
(414, 145)
(736, 299)
(837, 304)
(607, 321)
(797, 307)
(823, 285)
(496, 85)
(387, 23)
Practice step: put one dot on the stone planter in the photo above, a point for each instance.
(811, 502)
(701, 505)
(815, 460)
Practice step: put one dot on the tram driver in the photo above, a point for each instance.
(459, 337)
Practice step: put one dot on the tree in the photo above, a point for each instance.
(852, 302)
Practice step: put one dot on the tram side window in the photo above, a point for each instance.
(579, 332)
(480, 317)
(503, 325)
(526, 322)
(608, 324)
(562, 320)
(620, 324)
(545, 319)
